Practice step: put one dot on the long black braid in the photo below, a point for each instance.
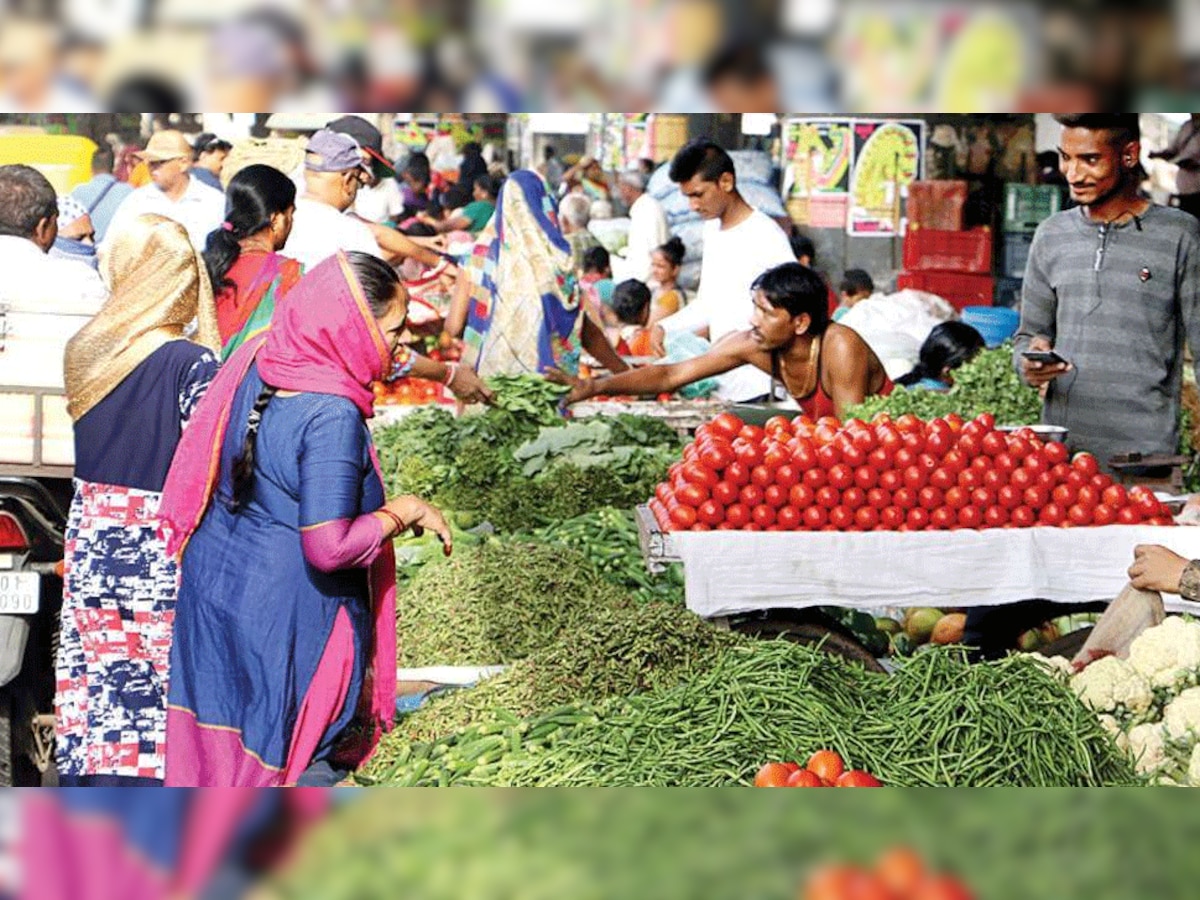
(243, 466)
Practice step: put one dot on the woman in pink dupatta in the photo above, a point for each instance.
(285, 625)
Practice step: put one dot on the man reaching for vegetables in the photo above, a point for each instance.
(823, 366)
(1155, 568)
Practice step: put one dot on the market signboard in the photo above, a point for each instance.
(816, 180)
(887, 159)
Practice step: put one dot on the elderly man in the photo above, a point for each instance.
(575, 214)
(647, 228)
(172, 193)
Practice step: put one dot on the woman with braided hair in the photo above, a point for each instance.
(286, 622)
(248, 273)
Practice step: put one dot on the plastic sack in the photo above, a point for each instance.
(682, 346)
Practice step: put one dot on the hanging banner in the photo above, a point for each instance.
(887, 159)
(817, 157)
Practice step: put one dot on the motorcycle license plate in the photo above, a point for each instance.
(20, 593)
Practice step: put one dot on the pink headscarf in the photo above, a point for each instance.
(323, 339)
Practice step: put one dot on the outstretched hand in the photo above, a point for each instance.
(581, 389)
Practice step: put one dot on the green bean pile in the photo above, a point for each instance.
(496, 603)
(609, 538)
(938, 721)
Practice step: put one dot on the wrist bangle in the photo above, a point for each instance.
(451, 371)
(399, 523)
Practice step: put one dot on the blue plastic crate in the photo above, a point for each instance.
(996, 324)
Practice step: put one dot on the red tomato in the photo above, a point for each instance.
(970, 445)
(1019, 448)
(762, 476)
(710, 513)
(775, 496)
(864, 439)
(857, 779)
(957, 498)
(969, 479)
(943, 478)
(805, 457)
(727, 425)
(841, 476)
(1005, 463)
(854, 497)
(778, 424)
(775, 455)
(662, 491)
(802, 778)
(866, 477)
(1036, 496)
(878, 498)
(1101, 482)
(930, 497)
(942, 518)
(752, 433)
(815, 517)
(786, 476)
(1088, 496)
(751, 495)
(866, 518)
(915, 441)
(683, 517)
(700, 474)
(982, 464)
(828, 497)
(955, 421)
(1129, 515)
(748, 454)
(854, 456)
(1023, 517)
(879, 460)
(1021, 478)
(1148, 505)
(737, 474)
(956, 461)
(891, 480)
(1052, 514)
(903, 459)
(772, 775)
(691, 495)
(1114, 496)
(762, 516)
(905, 498)
(828, 457)
(725, 493)
(1085, 463)
(823, 434)
(1163, 520)
(815, 478)
(938, 443)
(995, 517)
(908, 423)
(1081, 515)
(942, 887)
(717, 456)
(993, 444)
(1061, 472)
(994, 479)
(1104, 514)
(983, 498)
(691, 453)
(970, 517)
(841, 518)
(889, 439)
(788, 518)
(1077, 479)
(826, 765)
(892, 517)
(918, 519)
(1056, 453)
(801, 496)
(1036, 464)
(1064, 495)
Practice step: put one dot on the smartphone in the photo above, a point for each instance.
(1045, 357)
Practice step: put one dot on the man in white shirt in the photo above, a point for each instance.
(172, 192)
(647, 229)
(740, 243)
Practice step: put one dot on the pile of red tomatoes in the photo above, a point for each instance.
(885, 475)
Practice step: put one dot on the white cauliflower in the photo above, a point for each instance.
(1147, 744)
(1167, 652)
(1193, 772)
(1182, 715)
(1055, 665)
(1110, 684)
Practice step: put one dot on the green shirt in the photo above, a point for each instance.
(479, 212)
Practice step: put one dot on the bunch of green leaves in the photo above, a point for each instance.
(530, 396)
(988, 383)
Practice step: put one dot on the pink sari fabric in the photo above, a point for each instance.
(323, 339)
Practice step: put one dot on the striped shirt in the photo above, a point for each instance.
(1118, 301)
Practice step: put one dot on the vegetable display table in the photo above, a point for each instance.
(733, 572)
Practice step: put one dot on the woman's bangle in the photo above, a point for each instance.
(451, 371)
(399, 523)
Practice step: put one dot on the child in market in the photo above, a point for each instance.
(631, 301)
(665, 263)
(856, 285)
(597, 283)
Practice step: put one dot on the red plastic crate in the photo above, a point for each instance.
(927, 250)
(937, 204)
(959, 289)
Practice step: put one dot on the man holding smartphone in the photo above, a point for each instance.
(1112, 289)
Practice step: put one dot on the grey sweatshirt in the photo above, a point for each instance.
(1117, 301)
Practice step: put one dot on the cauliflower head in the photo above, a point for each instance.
(1147, 744)
(1182, 715)
(1167, 652)
(1110, 684)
